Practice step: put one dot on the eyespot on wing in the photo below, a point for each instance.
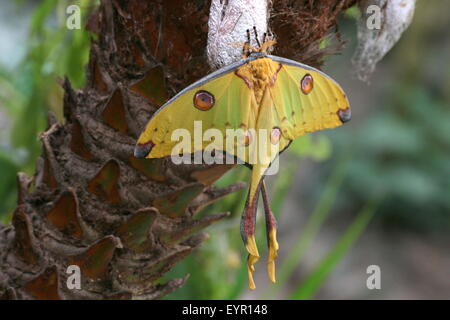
(203, 100)
(307, 83)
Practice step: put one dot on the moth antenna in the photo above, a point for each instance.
(256, 37)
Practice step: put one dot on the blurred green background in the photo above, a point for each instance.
(375, 191)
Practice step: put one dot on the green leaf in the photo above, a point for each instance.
(8, 194)
(315, 280)
(317, 147)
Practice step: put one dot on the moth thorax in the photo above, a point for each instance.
(260, 77)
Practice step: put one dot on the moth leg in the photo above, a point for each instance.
(246, 47)
(256, 37)
(271, 231)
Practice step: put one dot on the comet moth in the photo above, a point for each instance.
(270, 101)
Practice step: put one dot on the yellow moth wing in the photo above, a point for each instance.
(231, 110)
(309, 110)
